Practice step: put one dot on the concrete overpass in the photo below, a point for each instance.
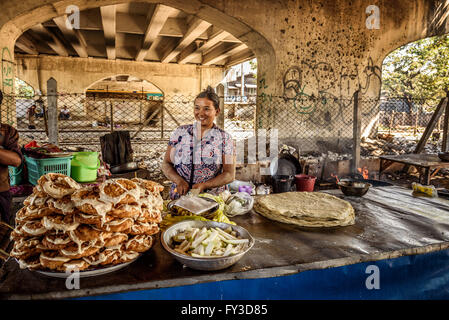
(324, 49)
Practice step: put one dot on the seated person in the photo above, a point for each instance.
(64, 114)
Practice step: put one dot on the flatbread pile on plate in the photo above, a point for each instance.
(306, 209)
(65, 225)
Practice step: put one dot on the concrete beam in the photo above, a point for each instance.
(196, 28)
(189, 53)
(185, 56)
(156, 21)
(26, 44)
(132, 24)
(72, 37)
(108, 20)
(46, 35)
(220, 53)
(239, 58)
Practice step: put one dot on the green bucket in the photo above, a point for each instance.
(84, 166)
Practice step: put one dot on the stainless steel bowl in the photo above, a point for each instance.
(207, 264)
(354, 188)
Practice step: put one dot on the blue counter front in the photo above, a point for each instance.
(424, 276)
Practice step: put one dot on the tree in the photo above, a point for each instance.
(23, 89)
(417, 71)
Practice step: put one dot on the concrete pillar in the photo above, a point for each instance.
(220, 118)
(7, 109)
(52, 99)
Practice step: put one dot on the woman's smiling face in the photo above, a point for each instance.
(205, 112)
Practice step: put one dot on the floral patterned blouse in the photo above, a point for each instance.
(204, 155)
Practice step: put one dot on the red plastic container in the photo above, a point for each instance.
(304, 182)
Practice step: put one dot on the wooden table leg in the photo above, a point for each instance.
(427, 176)
(380, 168)
(384, 164)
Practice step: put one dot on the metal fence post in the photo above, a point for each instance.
(220, 118)
(356, 133)
(162, 120)
(52, 100)
(112, 115)
(140, 111)
(445, 144)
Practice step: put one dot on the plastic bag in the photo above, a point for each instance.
(238, 204)
(217, 216)
(263, 189)
(419, 189)
(234, 186)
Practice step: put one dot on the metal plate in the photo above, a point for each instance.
(195, 204)
(59, 154)
(88, 273)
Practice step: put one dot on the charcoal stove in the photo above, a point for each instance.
(332, 182)
(359, 178)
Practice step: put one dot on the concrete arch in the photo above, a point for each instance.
(18, 18)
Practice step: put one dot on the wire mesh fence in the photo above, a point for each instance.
(306, 122)
(402, 116)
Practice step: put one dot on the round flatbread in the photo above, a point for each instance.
(307, 209)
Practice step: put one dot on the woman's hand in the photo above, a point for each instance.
(200, 186)
(182, 186)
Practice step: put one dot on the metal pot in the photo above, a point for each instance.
(125, 167)
(444, 156)
(354, 188)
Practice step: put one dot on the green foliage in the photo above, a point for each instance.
(253, 64)
(23, 90)
(418, 70)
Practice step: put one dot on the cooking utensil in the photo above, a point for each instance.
(194, 204)
(354, 188)
(444, 156)
(59, 154)
(125, 167)
(207, 264)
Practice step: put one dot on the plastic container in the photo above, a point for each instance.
(247, 189)
(40, 167)
(282, 183)
(84, 166)
(304, 182)
(15, 175)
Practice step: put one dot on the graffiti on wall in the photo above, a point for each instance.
(7, 71)
(321, 94)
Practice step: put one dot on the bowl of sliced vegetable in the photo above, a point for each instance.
(206, 245)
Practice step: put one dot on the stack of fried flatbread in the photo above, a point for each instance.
(307, 209)
(64, 225)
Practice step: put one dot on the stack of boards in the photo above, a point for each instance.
(306, 209)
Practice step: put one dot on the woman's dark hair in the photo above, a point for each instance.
(210, 94)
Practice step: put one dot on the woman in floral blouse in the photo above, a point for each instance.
(200, 155)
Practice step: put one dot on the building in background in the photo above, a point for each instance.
(240, 82)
